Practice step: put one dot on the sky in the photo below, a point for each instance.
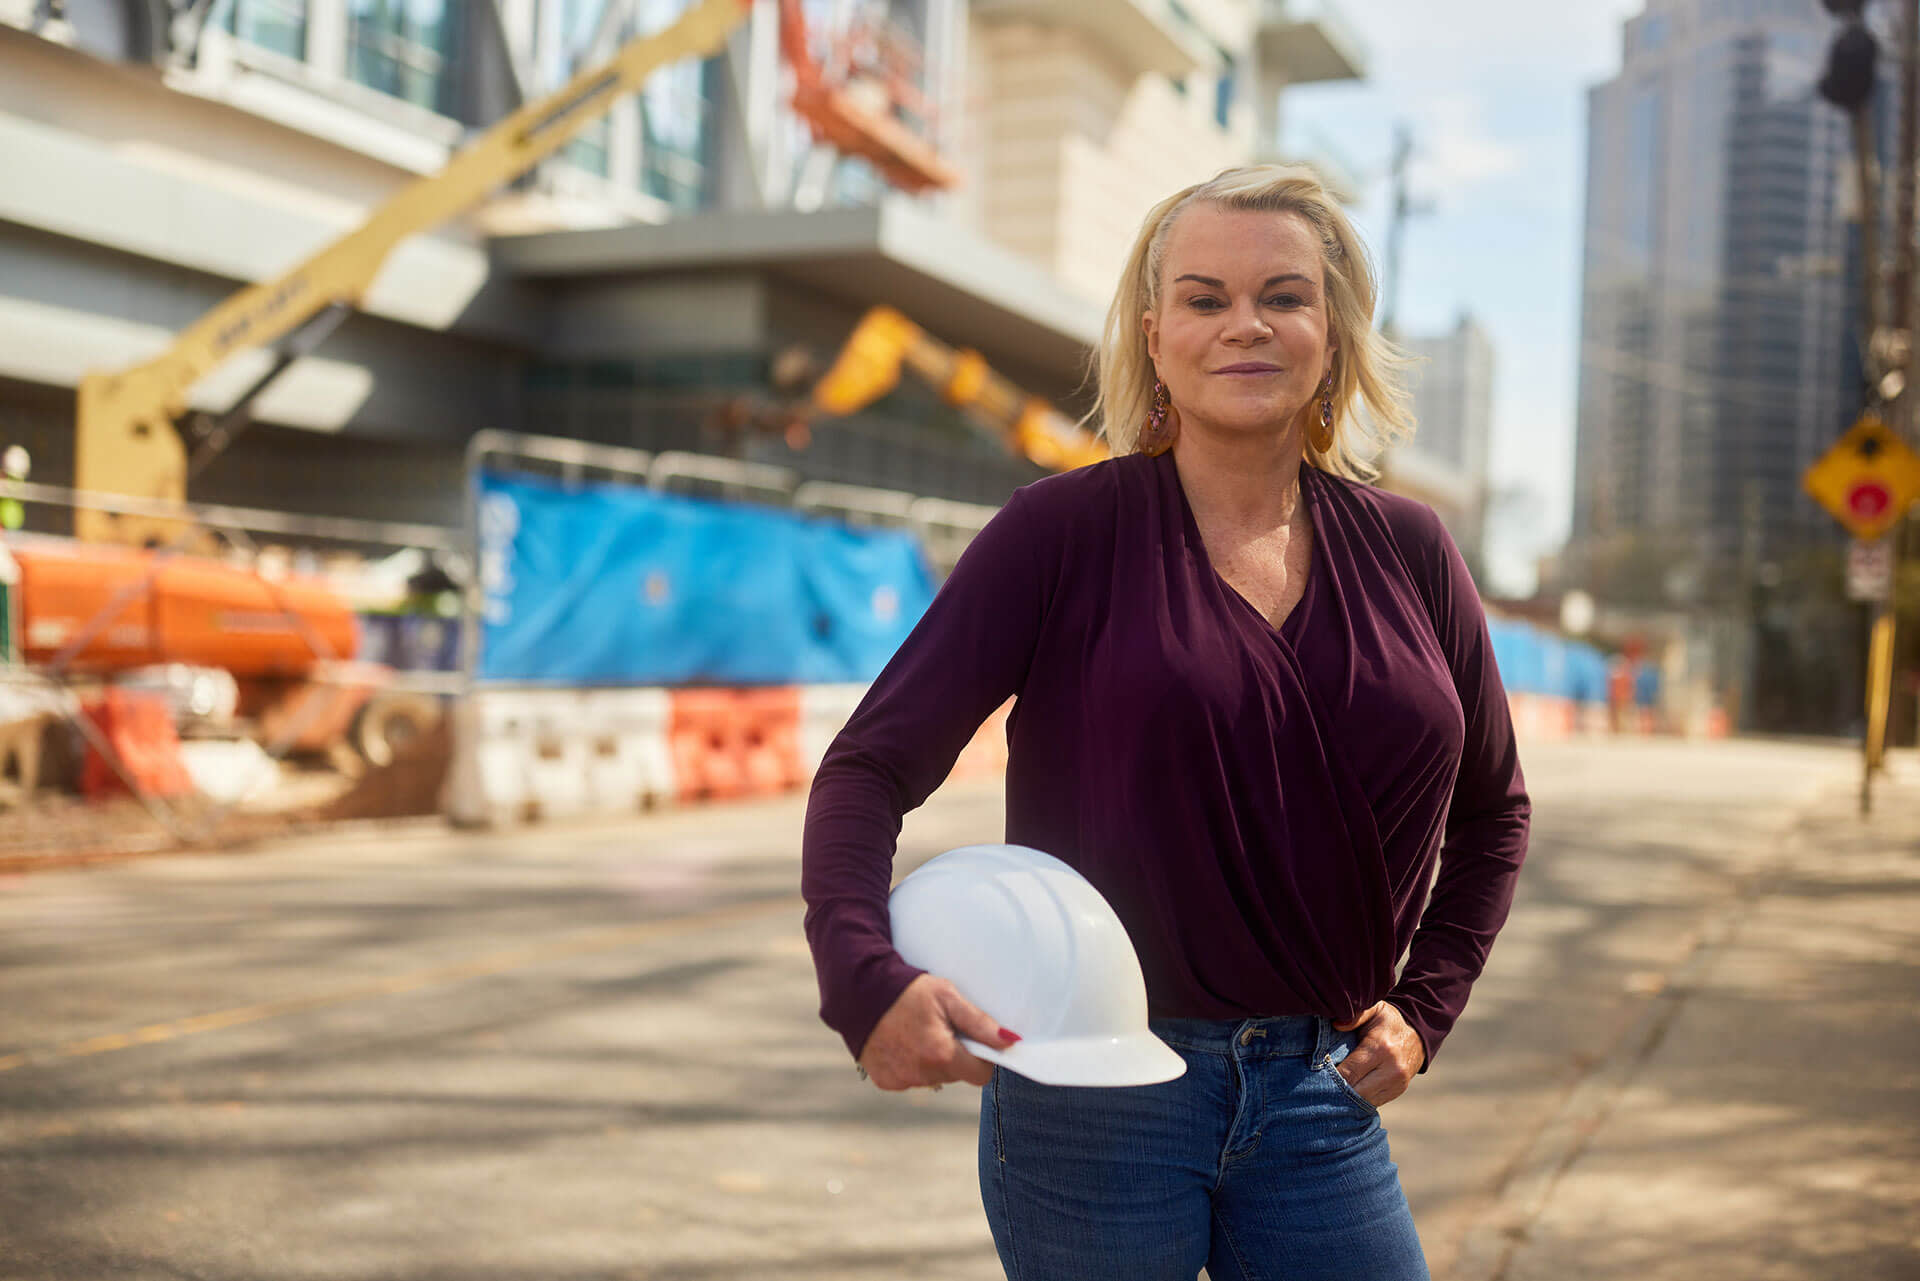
(1495, 93)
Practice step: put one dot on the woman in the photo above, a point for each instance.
(1257, 706)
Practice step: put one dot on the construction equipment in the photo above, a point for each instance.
(107, 609)
(129, 441)
(102, 613)
(130, 433)
(884, 341)
(861, 99)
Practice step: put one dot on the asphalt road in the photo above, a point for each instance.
(591, 1051)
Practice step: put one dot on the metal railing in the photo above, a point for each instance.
(251, 520)
(944, 526)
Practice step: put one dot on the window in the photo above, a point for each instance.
(1653, 33)
(406, 48)
(675, 104)
(276, 25)
(1223, 90)
(1793, 64)
(1645, 164)
(563, 54)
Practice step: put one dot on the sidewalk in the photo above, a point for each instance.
(1762, 1120)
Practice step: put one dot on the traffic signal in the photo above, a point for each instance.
(1848, 80)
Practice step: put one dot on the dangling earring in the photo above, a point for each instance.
(1163, 423)
(1320, 435)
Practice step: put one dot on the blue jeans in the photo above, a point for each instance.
(1261, 1163)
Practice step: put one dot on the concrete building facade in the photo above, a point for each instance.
(652, 271)
(1448, 461)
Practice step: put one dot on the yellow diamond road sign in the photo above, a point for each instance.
(1867, 480)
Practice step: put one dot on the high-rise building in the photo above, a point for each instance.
(158, 157)
(1446, 463)
(1717, 305)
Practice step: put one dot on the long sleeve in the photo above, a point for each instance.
(1487, 820)
(968, 654)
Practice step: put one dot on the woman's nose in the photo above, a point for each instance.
(1245, 325)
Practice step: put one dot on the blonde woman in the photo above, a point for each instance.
(1257, 708)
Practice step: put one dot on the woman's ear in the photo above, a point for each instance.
(1150, 326)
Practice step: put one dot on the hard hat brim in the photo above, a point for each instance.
(1139, 1059)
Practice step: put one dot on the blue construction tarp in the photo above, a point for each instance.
(1533, 660)
(609, 584)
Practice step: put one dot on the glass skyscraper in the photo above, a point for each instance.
(1718, 304)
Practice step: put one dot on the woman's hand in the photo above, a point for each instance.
(1388, 1057)
(917, 1041)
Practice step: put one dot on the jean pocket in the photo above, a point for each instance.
(1332, 1069)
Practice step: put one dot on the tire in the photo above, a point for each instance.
(390, 721)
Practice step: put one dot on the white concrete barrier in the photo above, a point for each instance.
(489, 780)
(525, 754)
(631, 764)
(824, 711)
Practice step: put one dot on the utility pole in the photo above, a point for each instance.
(1907, 279)
(1909, 226)
(1890, 365)
(1404, 207)
(1907, 33)
(1848, 83)
(1898, 359)
(1904, 350)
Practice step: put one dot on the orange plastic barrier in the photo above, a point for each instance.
(728, 743)
(140, 730)
(707, 739)
(771, 759)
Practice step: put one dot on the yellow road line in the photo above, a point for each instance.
(413, 981)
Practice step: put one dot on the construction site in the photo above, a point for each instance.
(321, 326)
(506, 414)
(463, 463)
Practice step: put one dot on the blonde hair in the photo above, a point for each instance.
(1367, 371)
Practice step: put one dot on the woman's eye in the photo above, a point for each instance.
(1287, 301)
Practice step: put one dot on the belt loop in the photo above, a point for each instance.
(1322, 1038)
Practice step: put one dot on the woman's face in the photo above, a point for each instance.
(1241, 335)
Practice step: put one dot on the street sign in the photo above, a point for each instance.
(1870, 570)
(1867, 480)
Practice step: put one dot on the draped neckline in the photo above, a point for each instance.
(1288, 630)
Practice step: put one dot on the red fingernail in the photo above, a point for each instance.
(1009, 1037)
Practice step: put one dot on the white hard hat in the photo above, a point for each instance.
(1028, 939)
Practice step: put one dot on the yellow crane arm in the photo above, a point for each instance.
(884, 342)
(126, 439)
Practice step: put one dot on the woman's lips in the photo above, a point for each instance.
(1248, 369)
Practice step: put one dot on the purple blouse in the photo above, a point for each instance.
(1264, 808)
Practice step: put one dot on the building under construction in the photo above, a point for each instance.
(667, 281)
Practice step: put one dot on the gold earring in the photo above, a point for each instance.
(1320, 434)
(1163, 423)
